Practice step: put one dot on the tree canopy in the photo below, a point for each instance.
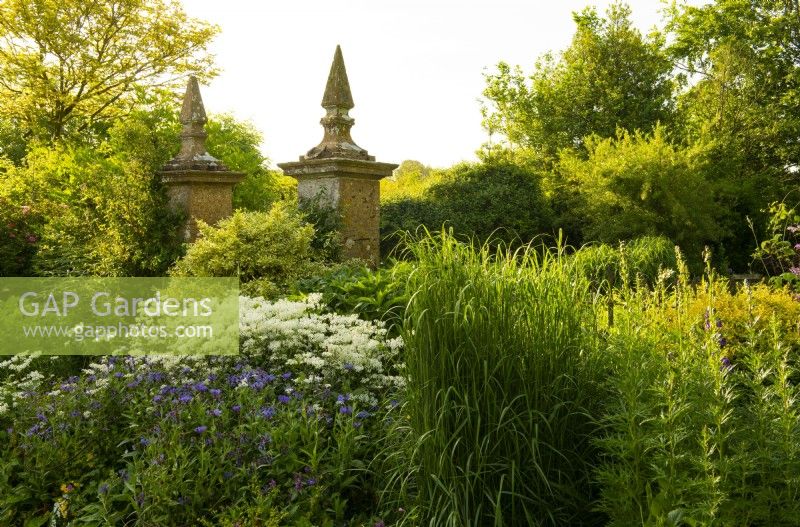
(609, 77)
(68, 67)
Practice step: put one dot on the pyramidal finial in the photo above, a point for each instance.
(337, 122)
(193, 110)
(193, 155)
(337, 91)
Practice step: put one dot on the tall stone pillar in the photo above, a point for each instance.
(341, 174)
(197, 183)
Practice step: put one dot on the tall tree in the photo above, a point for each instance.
(743, 58)
(69, 67)
(610, 77)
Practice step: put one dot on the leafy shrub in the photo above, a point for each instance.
(640, 185)
(266, 250)
(642, 258)
(494, 200)
(106, 215)
(379, 294)
(20, 230)
(779, 254)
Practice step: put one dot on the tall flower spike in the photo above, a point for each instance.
(337, 101)
(193, 154)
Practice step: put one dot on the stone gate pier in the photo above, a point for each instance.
(198, 184)
(341, 174)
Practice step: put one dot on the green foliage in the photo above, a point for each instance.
(327, 222)
(19, 228)
(410, 180)
(105, 214)
(70, 68)
(501, 387)
(500, 201)
(379, 294)
(641, 185)
(701, 418)
(778, 254)
(266, 250)
(609, 77)
(237, 144)
(641, 260)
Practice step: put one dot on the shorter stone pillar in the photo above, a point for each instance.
(198, 184)
(341, 174)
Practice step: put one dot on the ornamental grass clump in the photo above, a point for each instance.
(501, 382)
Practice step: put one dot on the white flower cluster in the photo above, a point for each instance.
(322, 346)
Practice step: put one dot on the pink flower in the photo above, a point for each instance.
(31, 238)
(26, 209)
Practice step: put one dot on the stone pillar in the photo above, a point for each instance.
(341, 174)
(197, 184)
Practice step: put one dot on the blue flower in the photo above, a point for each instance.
(348, 366)
(362, 414)
(186, 398)
(216, 412)
(268, 412)
(284, 399)
(201, 387)
(347, 410)
(144, 441)
(287, 375)
(236, 408)
(200, 429)
(103, 488)
(215, 392)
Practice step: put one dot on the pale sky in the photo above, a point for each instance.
(415, 67)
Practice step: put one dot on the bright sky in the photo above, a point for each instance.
(415, 66)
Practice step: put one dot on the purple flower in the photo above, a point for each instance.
(286, 376)
(362, 414)
(348, 366)
(236, 408)
(201, 387)
(719, 323)
(726, 365)
(347, 410)
(157, 398)
(723, 342)
(200, 429)
(119, 375)
(268, 412)
(342, 398)
(103, 488)
(216, 412)
(795, 271)
(215, 392)
(394, 403)
(797, 246)
(379, 523)
(284, 399)
(186, 398)
(144, 441)
(311, 482)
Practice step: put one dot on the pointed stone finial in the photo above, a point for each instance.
(337, 91)
(193, 155)
(337, 122)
